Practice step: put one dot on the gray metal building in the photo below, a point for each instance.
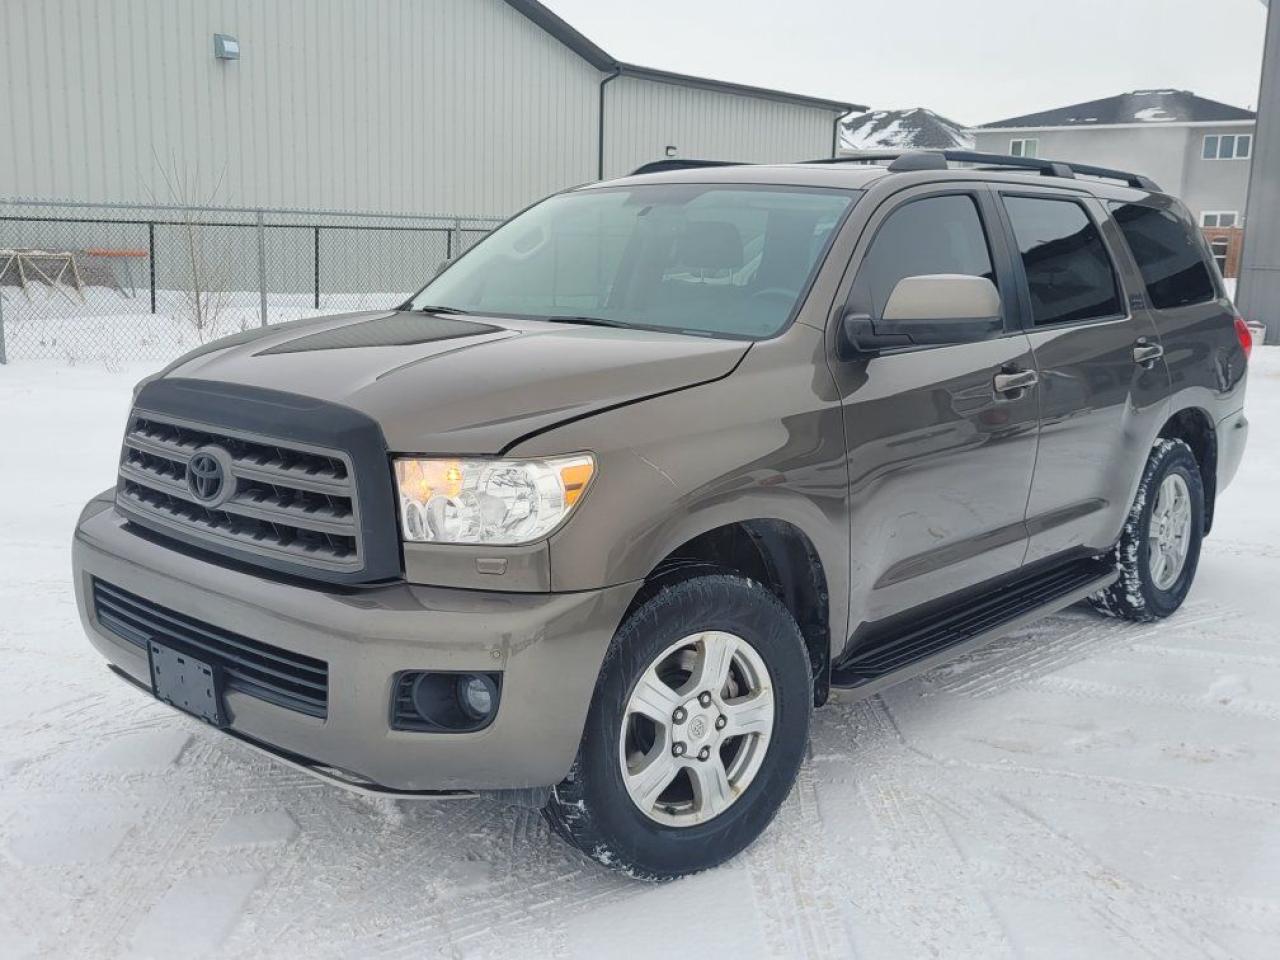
(1259, 293)
(445, 107)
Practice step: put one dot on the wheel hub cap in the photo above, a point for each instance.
(1169, 532)
(696, 728)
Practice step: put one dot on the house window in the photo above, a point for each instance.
(1228, 146)
(1219, 218)
(1220, 248)
(1024, 148)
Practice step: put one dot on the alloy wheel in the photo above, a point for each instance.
(696, 728)
(1169, 533)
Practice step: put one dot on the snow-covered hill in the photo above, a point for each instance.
(895, 129)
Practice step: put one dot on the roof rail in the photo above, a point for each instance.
(907, 160)
(680, 163)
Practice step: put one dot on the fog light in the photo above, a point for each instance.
(477, 694)
(442, 702)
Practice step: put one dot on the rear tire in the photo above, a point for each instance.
(669, 661)
(1160, 547)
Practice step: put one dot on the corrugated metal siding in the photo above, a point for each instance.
(459, 107)
(1259, 293)
(644, 117)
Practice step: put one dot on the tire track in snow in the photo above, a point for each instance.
(800, 917)
(909, 858)
(1044, 649)
(1097, 689)
(1035, 855)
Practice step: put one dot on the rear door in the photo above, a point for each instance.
(1191, 310)
(1104, 385)
(940, 459)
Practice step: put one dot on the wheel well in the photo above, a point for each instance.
(1195, 428)
(775, 554)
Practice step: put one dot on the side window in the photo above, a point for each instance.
(931, 235)
(1069, 272)
(1168, 253)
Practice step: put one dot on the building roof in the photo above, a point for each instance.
(563, 31)
(914, 128)
(1135, 108)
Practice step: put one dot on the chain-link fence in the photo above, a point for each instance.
(86, 282)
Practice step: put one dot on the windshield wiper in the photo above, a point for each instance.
(586, 321)
(448, 311)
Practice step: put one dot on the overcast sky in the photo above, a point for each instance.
(973, 61)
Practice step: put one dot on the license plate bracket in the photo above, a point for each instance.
(185, 682)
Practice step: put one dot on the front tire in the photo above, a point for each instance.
(1160, 547)
(696, 732)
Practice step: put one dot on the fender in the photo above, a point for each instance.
(752, 446)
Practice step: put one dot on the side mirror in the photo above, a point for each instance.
(927, 310)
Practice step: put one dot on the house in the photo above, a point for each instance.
(917, 128)
(1196, 148)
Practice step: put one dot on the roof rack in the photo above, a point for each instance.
(904, 161)
(907, 160)
(680, 163)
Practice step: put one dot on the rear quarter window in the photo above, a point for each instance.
(1169, 255)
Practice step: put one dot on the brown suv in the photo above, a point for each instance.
(598, 517)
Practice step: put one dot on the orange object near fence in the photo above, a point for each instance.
(110, 252)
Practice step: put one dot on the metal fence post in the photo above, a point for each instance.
(151, 248)
(262, 269)
(212, 266)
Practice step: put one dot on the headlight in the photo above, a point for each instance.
(488, 501)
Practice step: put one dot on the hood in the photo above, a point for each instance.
(462, 385)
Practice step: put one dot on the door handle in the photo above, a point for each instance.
(1146, 352)
(1015, 381)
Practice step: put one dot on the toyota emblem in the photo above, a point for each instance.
(208, 476)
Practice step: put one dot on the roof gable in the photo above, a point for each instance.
(576, 41)
(1138, 107)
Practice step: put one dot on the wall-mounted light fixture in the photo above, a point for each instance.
(672, 151)
(225, 47)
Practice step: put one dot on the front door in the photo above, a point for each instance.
(1103, 382)
(940, 450)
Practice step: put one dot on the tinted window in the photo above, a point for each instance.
(1068, 270)
(732, 260)
(934, 235)
(1168, 254)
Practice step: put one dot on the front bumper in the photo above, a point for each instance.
(548, 646)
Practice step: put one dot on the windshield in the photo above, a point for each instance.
(721, 260)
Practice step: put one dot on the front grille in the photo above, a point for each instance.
(284, 501)
(289, 680)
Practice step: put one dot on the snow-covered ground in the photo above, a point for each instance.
(1085, 788)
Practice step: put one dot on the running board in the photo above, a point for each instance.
(951, 633)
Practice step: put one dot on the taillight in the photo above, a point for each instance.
(1246, 337)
